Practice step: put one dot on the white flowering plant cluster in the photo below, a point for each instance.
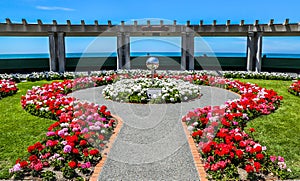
(135, 91)
(260, 75)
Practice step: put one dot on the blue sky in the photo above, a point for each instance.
(128, 10)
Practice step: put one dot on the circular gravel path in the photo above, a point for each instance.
(152, 144)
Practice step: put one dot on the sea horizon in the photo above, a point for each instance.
(136, 54)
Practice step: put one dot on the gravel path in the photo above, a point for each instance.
(151, 144)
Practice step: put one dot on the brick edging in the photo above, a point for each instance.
(196, 155)
(105, 152)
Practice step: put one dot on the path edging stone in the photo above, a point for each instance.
(105, 152)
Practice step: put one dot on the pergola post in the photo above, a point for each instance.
(187, 51)
(254, 51)
(190, 51)
(183, 51)
(57, 59)
(123, 51)
(61, 55)
(52, 50)
(127, 50)
(258, 62)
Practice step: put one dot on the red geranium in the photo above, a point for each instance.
(72, 164)
(239, 153)
(94, 152)
(82, 142)
(249, 168)
(260, 156)
(257, 166)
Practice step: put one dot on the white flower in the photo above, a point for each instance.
(190, 128)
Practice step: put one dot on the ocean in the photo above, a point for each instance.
(137, 54)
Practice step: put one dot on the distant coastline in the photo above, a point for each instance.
(136, 54)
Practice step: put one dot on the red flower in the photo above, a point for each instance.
(243, 144)
(30, 149)
(23, 164)
(33, 158)
(238, 137)
(206, 149)
(94, 152)
(101, 137)
(251, 130)
(38, 146)
(257, 166)
(260, 156)
(257, 148)
(239, 153)
(249, 168)
(75, 151)
(82, 143)
(197, 133)
(72, 164)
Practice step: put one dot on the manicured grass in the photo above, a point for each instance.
(18, 128)
(279, 131)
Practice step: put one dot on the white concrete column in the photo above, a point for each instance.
(250, 49)
(127, 50)
(61, 54)
(52, 51)
(259, 52)
(254, 51)
(119, 51)
(190, 51)
(183, 50)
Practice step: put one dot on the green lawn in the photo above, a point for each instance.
(18, 128)
(280, 131)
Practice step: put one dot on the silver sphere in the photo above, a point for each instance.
(152, 63)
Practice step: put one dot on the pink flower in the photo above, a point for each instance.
(273, 158)
(214, 167)
(16, 168)
(67, 149)
(38, 166)
(50, 133)
(280, 159)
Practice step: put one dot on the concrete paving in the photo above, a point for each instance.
(152, 144)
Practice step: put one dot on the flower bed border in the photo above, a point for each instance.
(198, 161)
(105, 152)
